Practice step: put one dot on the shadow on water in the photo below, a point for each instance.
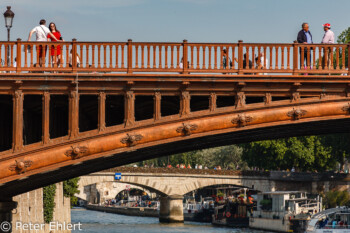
(99, 222)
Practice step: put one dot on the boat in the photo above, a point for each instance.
(334, 220)
(235, 210)
(198, 211)
(284, 211)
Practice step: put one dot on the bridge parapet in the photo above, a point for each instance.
(185, 58)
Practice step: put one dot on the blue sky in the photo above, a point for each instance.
(175, 20)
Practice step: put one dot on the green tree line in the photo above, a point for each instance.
(309, 153)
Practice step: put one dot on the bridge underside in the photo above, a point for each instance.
(63, 127)
(57, 173)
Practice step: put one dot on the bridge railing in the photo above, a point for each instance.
(185, 58)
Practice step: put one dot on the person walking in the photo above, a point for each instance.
(226, 59)
(41, 33)
(328, 38)
(304, 37)
(55, 57)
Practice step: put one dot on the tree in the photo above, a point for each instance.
(305, 153)
(228, 157)
(339, 144)
(337, 198)
(49, 193)
(70, 188)
(344, 38)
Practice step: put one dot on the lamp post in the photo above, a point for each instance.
(8, 15)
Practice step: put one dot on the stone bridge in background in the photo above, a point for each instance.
(173, 184)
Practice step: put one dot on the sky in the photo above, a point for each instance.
(255, 21)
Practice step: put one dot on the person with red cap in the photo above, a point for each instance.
(328, 38)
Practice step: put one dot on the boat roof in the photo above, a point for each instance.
(282, 192)
(339, 210)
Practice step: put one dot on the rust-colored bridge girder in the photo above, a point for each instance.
(318, 101)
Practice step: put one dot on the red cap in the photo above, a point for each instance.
(327, 25)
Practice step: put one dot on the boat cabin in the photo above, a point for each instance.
(276, 205)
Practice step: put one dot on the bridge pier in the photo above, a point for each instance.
(6, 207)
(171, 209)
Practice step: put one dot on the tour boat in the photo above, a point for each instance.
(335, 220)
(287, 211)
(234, 211)
(198, 212)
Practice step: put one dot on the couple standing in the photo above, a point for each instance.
(44, 34)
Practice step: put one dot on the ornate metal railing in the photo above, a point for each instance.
(185, 58)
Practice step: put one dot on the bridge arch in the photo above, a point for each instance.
(119, 146)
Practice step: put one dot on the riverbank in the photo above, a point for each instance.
(130, 211)
(140, 212)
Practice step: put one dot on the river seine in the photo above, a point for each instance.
(98, 222)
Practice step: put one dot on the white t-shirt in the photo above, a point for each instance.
(41, 32)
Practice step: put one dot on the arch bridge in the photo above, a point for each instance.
(173, 184)
(97, 105)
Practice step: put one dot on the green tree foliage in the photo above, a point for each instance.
(336, 198)
(228, 157)
(340, 146)
(70, 188)
(344, 38)
(49, 193)
(304, 153)
(310, 153)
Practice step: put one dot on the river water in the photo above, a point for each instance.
(99, 222)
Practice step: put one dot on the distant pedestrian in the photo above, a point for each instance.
(70, 59)
(328, 38)
(247, 63)
(41, 33)
(55, 55)
(304, 37)
(261, 62)
(225, 59)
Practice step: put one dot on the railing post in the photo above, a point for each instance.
(185, 103)
(102, 111)
(295, 57)
(240, 57)
(19, 56)
(73, 114)
(185, 57)
(129, 119)
(348, 59)
(157, 105)
(129, 56)
(74, 55)
(46, 118)
(17, 120)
